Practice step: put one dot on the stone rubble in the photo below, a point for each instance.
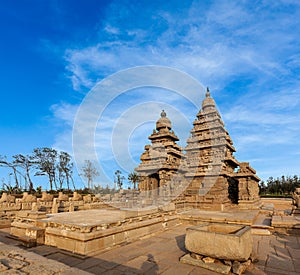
(217, 265)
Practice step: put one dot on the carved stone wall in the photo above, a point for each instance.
(9, 205)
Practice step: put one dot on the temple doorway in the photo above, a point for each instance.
(154, 181)
(233, 190)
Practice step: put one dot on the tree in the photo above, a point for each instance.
(89, 172)
(262, 187)
(283, 185)
(61, 177)
(65, 169)
(4, 162)
(119, 179)
(133, 177)
(45, 161)
(25, 162)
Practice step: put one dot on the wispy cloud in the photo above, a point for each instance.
(249, 51)
(209, 42)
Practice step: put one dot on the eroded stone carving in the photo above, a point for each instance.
(46, 197)
(7, 198)
(76, 196)
(28, 197)
(62, 197)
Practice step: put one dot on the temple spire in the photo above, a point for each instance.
(207, 92)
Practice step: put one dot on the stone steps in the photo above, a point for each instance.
(262, 225)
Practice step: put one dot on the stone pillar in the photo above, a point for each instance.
(71, 207)
(54, 206)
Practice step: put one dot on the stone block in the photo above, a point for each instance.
(168, 207)
(61, 242)
(240, 268)
(27, 241)
(217, 267)
(221, 241)
(18, 229)
(35, 215)
(36, 233)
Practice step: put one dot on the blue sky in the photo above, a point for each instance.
(248, 52)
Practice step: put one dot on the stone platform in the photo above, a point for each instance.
(90, 231)
(156, 254)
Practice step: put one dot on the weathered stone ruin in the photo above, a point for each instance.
(248, 186)
(215, 180)
(10, 206)
(5, 198)
(160, 161)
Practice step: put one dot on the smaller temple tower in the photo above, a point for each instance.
(248, 187)
(161, 159)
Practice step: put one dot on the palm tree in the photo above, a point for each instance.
(134, 177)
(119, 178)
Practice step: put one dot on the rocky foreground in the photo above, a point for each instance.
(14, 260)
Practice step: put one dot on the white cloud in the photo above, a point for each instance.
(252, 48)
(64, 114)
(213, 44)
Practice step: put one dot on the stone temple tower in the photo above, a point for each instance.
(207, 176)
(161, 159)
(210, 161)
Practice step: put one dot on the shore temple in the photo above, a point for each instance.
(211, 177)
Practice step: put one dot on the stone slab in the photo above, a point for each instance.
(217, 267)
(96, 217)
(196, 216)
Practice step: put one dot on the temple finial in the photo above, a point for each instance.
(163, 113)
(207, 92)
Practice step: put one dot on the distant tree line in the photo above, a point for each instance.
(283, 185)
(55, 165)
